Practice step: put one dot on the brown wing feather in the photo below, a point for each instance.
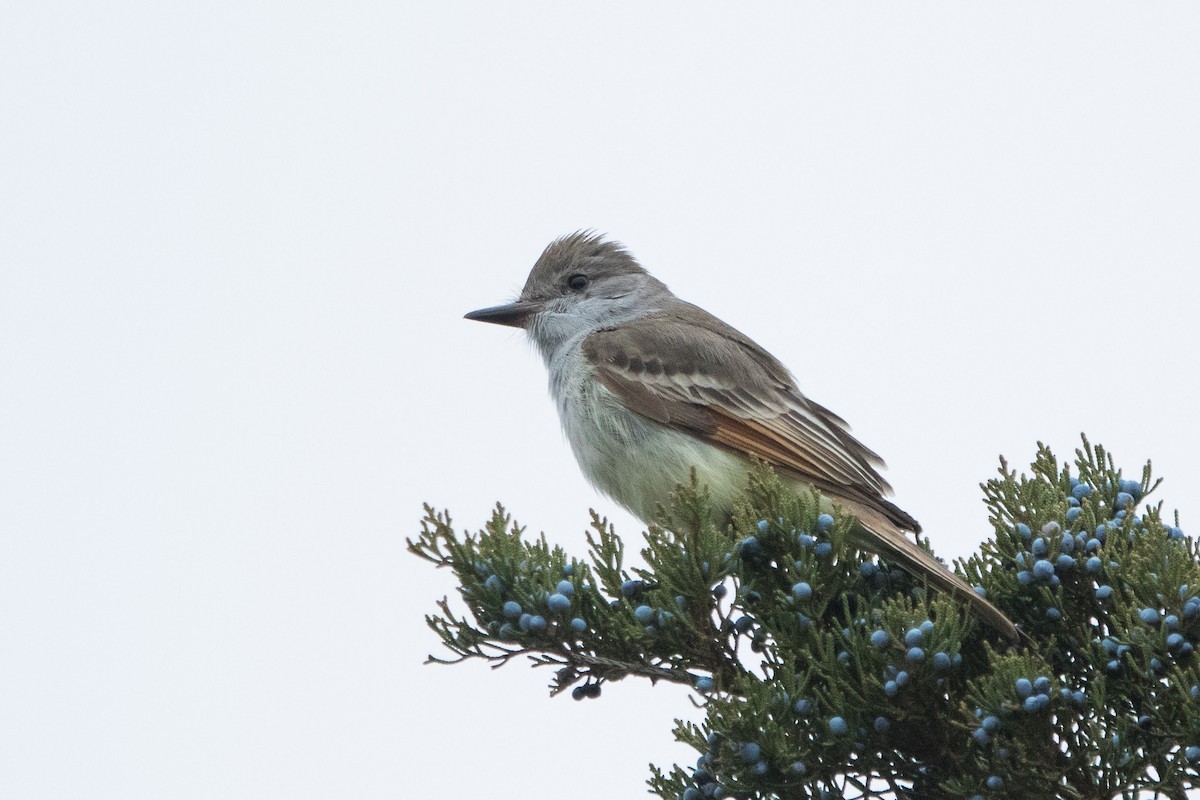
(692, 371)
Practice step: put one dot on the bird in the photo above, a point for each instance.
(649, 387)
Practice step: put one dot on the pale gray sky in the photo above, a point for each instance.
(237, 240)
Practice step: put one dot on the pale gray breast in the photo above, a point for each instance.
(601, 431)
(634, 460)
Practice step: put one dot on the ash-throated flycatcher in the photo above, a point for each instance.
(649, 387)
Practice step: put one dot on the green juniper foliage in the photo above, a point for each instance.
(825, 673)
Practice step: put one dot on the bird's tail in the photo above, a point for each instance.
(877, 533)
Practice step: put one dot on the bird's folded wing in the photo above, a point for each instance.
(691, 371)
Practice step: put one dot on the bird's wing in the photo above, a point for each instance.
(691, 371)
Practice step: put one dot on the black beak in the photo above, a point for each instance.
(514, 315)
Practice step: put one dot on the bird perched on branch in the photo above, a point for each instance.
(649, 387)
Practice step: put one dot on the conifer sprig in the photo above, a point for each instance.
(825, 672)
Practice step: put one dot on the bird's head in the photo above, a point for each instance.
(581, 282)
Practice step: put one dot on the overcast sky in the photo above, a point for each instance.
(237, 240)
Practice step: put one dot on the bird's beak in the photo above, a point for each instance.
(515, 315)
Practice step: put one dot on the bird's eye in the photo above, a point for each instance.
(577, 282)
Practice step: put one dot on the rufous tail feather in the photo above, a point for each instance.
(880, 535)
